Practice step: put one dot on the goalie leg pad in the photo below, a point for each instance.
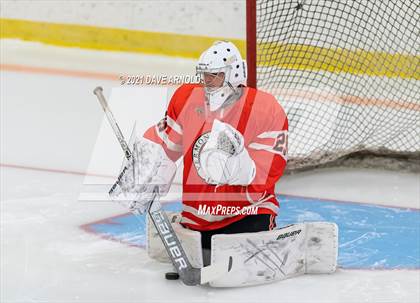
(321, 247)
(190, 241)
(260, 257)
(269, 256)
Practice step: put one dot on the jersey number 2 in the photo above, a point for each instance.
(281, 144)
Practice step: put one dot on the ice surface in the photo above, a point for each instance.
(46, 257)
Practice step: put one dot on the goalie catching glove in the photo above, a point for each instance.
(224, 158)
(147, 170)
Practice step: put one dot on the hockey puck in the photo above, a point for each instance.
(172, 276)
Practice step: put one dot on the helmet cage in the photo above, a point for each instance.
(213, 83)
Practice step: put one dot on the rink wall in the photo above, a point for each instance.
(180, 28)
(185, 28)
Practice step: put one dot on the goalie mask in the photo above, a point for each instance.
(222, 70)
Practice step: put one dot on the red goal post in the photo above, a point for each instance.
(251, 45)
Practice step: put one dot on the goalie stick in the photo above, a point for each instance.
(187, 273)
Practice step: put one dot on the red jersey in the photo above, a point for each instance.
(185, 130)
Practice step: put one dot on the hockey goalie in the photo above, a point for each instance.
(233, 143)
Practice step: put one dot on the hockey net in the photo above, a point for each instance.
(346, 72)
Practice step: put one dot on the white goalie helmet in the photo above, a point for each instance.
(222, 70)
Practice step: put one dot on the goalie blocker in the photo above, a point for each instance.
(260, 257)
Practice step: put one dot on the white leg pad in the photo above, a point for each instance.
(190, 241)
(261, 257)
(321, 247)
(269, 256)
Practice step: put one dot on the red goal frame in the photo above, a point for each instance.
(251, 42)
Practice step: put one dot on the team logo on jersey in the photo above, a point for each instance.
(196, 153)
